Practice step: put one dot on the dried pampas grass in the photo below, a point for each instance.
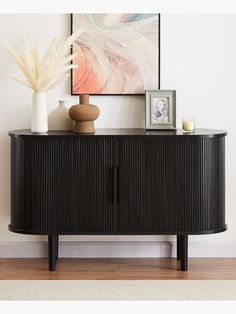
(46, 72)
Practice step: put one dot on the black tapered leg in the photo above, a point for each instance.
(178, 247)
(184, 252)
(57, 246)
(52, 251)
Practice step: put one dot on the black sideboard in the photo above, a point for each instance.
(118, 182)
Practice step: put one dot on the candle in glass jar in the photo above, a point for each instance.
(188, 124)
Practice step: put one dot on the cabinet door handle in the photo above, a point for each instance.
(120, 183)
(115, 185)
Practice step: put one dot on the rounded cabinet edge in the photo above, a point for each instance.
(124, 133)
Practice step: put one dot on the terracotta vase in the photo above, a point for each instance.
(84, 115)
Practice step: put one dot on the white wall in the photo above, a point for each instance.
(198, 59)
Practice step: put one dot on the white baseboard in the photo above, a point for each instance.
(135, 249)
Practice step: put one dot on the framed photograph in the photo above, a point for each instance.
(160, 110)
(117, 54)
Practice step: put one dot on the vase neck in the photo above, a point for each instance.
(40, 97)
(36, 93)
(61, 103)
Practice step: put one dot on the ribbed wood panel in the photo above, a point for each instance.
(110, 184)
(63, 185)
(172, 185)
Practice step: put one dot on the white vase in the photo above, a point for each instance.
(39, 118)
(59, 119)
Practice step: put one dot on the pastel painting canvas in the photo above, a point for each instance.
(116, 53)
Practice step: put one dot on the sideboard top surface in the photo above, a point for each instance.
(124, 133)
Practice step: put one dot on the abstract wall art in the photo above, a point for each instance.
(117, 54)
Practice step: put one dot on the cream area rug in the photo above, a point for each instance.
(117, 290)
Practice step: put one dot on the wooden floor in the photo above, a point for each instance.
(115, 269)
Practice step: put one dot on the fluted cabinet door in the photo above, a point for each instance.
(171, 186)
(63, 185)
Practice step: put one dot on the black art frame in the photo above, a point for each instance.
(159, 63)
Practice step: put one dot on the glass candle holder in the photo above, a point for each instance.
(188, 124)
